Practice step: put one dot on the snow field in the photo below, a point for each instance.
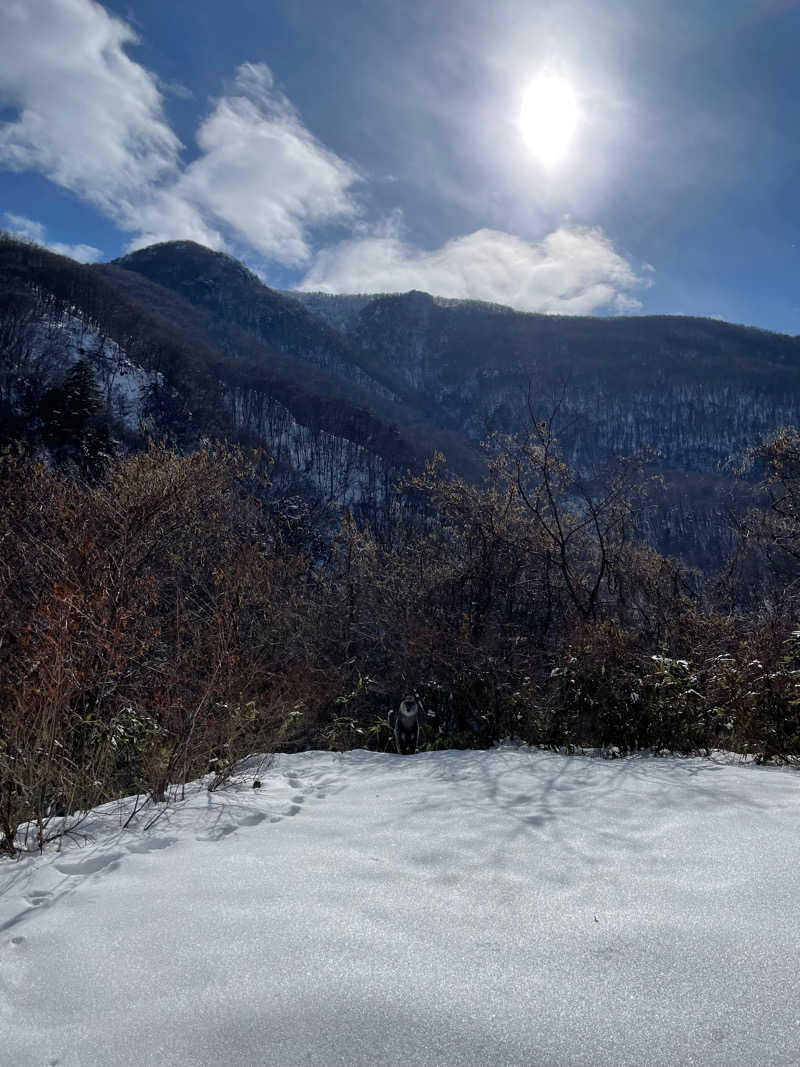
(500, 907)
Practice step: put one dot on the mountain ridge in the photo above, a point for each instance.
(404, 375)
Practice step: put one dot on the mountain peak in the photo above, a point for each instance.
(188, 256)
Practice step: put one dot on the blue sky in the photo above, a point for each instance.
(370, 145)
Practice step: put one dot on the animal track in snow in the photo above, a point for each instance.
(219, 832)
(92, 864)
(315, 786)
(254, 819)
(151, 844)
(324, 784)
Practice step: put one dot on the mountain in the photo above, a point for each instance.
(696, 391)
(190, 374)
(234, 297)
(349, 391)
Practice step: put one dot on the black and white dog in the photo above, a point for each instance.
(405, 723)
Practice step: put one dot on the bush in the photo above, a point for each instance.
(166, 619)
(147, 630)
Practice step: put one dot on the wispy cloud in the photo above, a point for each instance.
(572, 271)
(22, 226)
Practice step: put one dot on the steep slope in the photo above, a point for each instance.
(698, 390)
(235, 297)
(399, 376)
(695, 391)
(195, 387)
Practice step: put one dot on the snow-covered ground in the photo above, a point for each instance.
(500, 907)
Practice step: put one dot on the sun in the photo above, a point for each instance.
(549, 118)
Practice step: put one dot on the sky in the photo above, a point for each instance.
(565, 156)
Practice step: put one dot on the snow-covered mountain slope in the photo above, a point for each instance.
(401, 376)
(484, 907)
(123, 384)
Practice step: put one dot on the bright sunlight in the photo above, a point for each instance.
(548, 118)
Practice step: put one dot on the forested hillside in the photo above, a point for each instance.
(210, 542)
(166, 367)
(696, 389)
(696, 392)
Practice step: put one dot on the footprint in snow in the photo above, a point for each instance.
(151, 844)
(315, 786)
(220, 832)
(91, 865)
(327, 783)
(254, 819)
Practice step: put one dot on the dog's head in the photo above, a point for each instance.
(409, 708)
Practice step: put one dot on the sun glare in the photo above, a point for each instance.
(548, 118)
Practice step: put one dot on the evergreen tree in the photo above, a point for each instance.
(73, 426)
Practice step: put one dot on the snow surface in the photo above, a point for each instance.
(501, 907)
(122, 383)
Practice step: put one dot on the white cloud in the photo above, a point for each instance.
(261, 179)
(22, 226)
(166, 215)
(91, 119)
(176, 89)
(88, 117)
(263, 174)
(572, 271)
